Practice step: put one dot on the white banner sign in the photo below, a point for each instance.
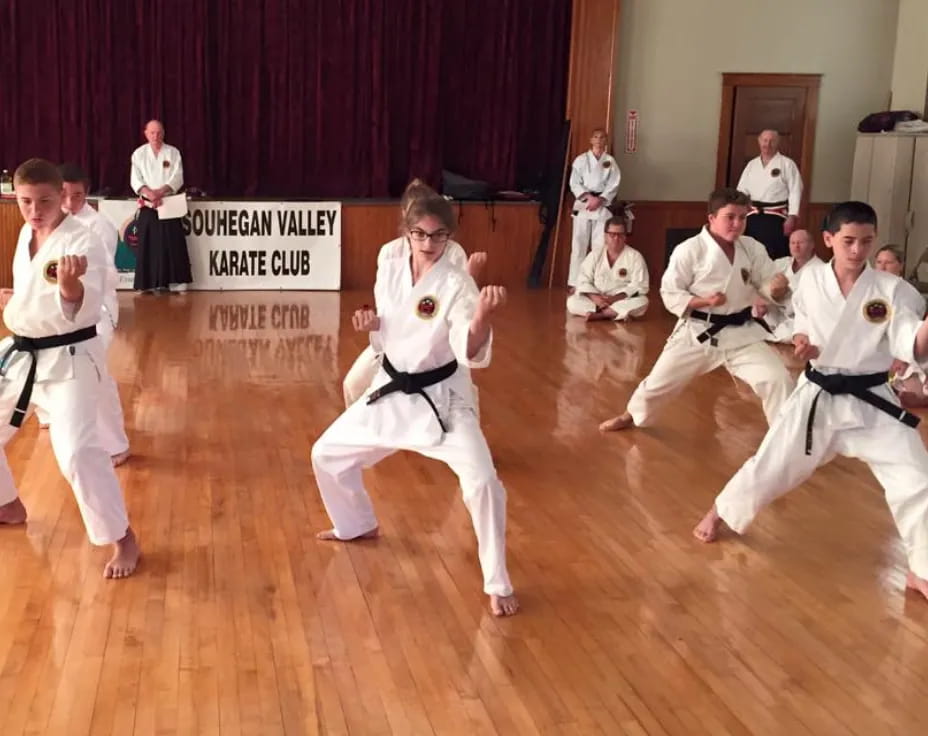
(249, 245)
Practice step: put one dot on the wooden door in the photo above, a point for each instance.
(761, 108)
(787, 103)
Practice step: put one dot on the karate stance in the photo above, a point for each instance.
(430, 323)
(851, 321)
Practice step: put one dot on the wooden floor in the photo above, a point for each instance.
(239, 622)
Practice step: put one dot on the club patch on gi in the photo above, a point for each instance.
(775, 172)
(50, 272)
(876, 311)
(623, 272)
(606, 164)
(745, 275)
(165, 164)
(427, 307)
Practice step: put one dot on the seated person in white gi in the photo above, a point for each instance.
(780, 317)
(613, 281)
(59, 283)
(710, 283)
(594, 181)
(851, 321)
(907, 379)
(430, 322)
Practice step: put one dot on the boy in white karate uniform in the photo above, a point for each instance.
(110, 423)
(54, 359)
(594, 181)
(613, 282)
(780, 317)
(710, 284)
(430, 322)
(359, 377)
(851, 321)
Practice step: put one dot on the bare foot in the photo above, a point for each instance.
(596, 316)
(623, 421)
(329, 535)
(13, 512)
(919, 585)
(504, 605)
(125, 557)
(120, 458)
(708, 529)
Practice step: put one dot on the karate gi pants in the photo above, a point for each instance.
(347, 447)
(581, 306)
(894, 453)
(587, 233)
(71, 406)
(683, 359)
(110, 420)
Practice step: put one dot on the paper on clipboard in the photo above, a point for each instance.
(173, 207)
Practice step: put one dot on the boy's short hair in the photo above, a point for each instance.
(726, 196)
(37, 171)
(844, 213)
(616, 220)
(74, 174)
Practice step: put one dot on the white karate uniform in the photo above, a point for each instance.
(761, 184)
(68, 378)
(358, 379)
(628, 275)
(417, 340)
(916, 302)
(590, 174)
(858, 335)
(780, 317)
(699, 267)
(155, 170)
(110, 425)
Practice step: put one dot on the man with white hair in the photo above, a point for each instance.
(773, 183)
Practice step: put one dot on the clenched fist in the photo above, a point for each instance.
(70, 270)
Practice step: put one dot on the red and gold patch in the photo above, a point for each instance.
(876, 311)
(623, 272)
(427, 307)
(607, 164)
(745, 275)
(775, 172)
(165, 164)
(50, 272)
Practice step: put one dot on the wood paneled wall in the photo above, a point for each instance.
(507, 231)
(594, 39)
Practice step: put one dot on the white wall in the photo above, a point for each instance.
(672, 54)
(910, 63)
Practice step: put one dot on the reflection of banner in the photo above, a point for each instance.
(249, 245)
(269, 337)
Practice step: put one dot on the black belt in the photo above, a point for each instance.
(838, 383)
(413, 383)
(719, 321)
(32, 345)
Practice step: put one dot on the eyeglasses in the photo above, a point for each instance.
(613, 234)
(439, 236)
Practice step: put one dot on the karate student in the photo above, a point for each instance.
(613, 280)
(780, 317)
(110, 423)
(773, 183)
(430, 323)
(54, 359)
(594, 181)
(710, 284)
(157, 172)
(851, 320)
(365, 367)
(907, 380)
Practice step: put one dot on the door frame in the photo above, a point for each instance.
(811, 82)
